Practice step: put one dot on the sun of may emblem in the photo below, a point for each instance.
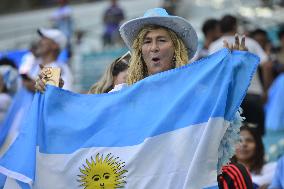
(103, 173)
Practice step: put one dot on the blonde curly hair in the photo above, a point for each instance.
(137, 69)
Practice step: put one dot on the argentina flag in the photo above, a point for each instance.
(170, 130)
(16, 114)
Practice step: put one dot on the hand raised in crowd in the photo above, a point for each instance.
(237, 46)
(43, 78)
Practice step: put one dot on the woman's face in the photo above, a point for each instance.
(158, 51)
(245, 150)
(120, 78)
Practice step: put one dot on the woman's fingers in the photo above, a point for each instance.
(40, 85)
(243, 44)
(236, 46)
(45, 73)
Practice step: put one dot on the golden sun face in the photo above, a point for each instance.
(103, 173)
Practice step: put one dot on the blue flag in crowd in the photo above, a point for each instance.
(166, 131)
(274, 114)
(10, 127)
(14, 117)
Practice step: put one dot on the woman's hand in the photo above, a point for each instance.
(42, 79)
(237, 46)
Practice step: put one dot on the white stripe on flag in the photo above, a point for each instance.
(11, 184)
(13, 132)
(164, 161)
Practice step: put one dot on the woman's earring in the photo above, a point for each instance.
(174, 60)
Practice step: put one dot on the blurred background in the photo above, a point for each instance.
(19, 20)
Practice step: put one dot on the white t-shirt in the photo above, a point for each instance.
(29, 61)
(253, 47)
(118, 87)
(266, 175)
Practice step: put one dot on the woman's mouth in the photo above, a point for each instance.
(156, 59)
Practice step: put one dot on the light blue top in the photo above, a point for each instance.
(278, 180)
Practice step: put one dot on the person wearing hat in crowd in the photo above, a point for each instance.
(50, 44)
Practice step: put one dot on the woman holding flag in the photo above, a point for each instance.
(160, 43)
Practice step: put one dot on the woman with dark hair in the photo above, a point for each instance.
(250, 153)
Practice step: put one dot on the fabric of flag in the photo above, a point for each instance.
(14, 118)
(168, 131)
(11, 125)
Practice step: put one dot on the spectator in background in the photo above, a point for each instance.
(280, 54)
(5, 98)
(250, 153)
(211, 32)
(10, 75)
(278, 179)
(62, 20)
(114, 76)
(253, 102)
(112, 19)
(170, 6)
(30, 60)
(50, 44)
(261, 37)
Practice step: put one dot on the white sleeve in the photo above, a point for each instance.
(67, 77)
(215, 46)
(257, 49)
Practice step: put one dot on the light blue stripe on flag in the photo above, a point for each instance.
(2, 180)
(162, 132)
(14, 118)
(274, 114)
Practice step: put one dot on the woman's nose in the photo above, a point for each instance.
(243, 143)
(154, 47)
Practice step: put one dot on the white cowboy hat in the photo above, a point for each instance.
(159, 16)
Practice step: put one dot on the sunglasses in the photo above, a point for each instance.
(127, 55)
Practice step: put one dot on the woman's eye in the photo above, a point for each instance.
(146, 42)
